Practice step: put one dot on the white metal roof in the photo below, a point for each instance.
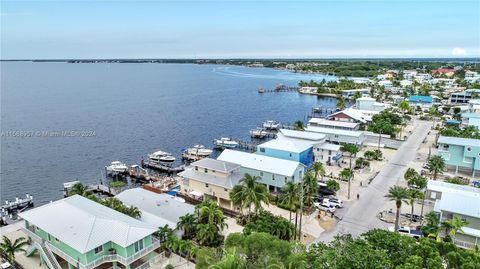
(260, 162)
(459, 141)
(331, 131)
(333, 123)
(157, 209)
(354, 114)
(456, 198)
(287, 144)
(84, 224)
(216, 165)
(228, 181)
(330, 146)
(302, 135)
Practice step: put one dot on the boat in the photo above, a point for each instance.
(116, 167)
(258, 133)
(271, 125)
(196, 153)
(261, 90)
(161, 157)
(225, 142)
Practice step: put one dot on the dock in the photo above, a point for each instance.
(11, 208)
(322, 112)
(135, 172)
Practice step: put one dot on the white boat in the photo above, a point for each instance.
(196, 152)
(271, 124)
(258, 133)
(261, 90)
(117, 167)
(225, 142)
(161, 157)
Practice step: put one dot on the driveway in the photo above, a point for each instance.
(360, 216)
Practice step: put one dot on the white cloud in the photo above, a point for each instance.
(459, 52)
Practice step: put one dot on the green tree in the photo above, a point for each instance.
(410, 173)
(299, 126)
(333, 185)
(318, 169)
(9, 248)
(432, 225)
(251, 193)
(210, 223)
(399, 195)
(414, 195)
(403, 106)
(78, 188)
(352, 150)
(187, 223)
(435, 165)
(310, 188)
(454, 225)
(341, 104)
(289, 198)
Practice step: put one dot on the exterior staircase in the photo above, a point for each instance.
(47, 255)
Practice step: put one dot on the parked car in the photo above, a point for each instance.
(405, 230)
(325, 207)
(334, 201)
(324, 190)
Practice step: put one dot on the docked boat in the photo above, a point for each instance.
(261, 90)
(116, 167)
(271, 125)
(161, 157)
(258, 133)
(225, 142)
(196, 153)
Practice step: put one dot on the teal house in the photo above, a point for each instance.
(288, 149)
(460, 154)
(471, 119)
(76, 232)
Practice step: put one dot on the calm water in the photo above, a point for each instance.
(134, 109)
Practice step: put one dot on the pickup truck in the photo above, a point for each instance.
(407, 231)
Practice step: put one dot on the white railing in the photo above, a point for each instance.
(463, 244)
(43, 254)
(144, 265)
(62, 254)
(32, 234)
(51, 258)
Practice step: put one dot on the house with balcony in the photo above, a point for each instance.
(460, 201)
(337, 136)
(460, 154)
(273, 172)
(76, 232)
(211, 179)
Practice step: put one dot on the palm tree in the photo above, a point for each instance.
(310, 188)
(187, 223)
(341, 103)
(414, 195)
(410, 173)
(164, 233)
(352, 150)
(9, 248)
(399, 195)
(299, 126)
(318, 169)
(347, 174)
(403, 105)
(207, 234)
(289, 197)
(78, 188)
(432, 225)
(133, 212)
(230, 260)
(250, 192)
(436, 164)
(208, 212)
(454, 225)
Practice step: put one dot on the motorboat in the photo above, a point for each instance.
(271, 125)
(258, 133)
(261, 90)
(196, 152)
(116, 167)
(161, 157)
(225, 142)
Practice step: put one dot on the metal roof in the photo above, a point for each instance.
(420, 98)
(302, 135)
(332, 131)
(333, 123)
(459, 141)
(84, 224)
(157, 209)
(216, 165)
(287, 144)
(456, 198)
(261, 162)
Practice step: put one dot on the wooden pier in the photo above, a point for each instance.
(322, 112)
(163, 168)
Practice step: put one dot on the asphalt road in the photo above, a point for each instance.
(360, 216)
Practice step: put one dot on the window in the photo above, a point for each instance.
(467, 159)
(49, 238)
(206, 185)
(261, 174)
(196, 168)
(262, 149)
(98, 249)
(469, 149)
(286, 179)
(225, 189)
(206, 170)
(138, 245)
(318, 149)
(300, 174)
(213, 171)
(290, 154)
(273, 177)
(329, 152)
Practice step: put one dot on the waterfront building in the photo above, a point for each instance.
(463, 97)
(339, 136)
(211, 179)
(460, 154)
(350, 93)
(76, 232)
(369, 104)
(350, 115)
(453, 200)
(335, 124)
(308, 90)
(158, 209)
(273, 172)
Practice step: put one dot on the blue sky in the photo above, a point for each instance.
(219, 29)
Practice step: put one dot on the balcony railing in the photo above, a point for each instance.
(463, 244)
(31, 233)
